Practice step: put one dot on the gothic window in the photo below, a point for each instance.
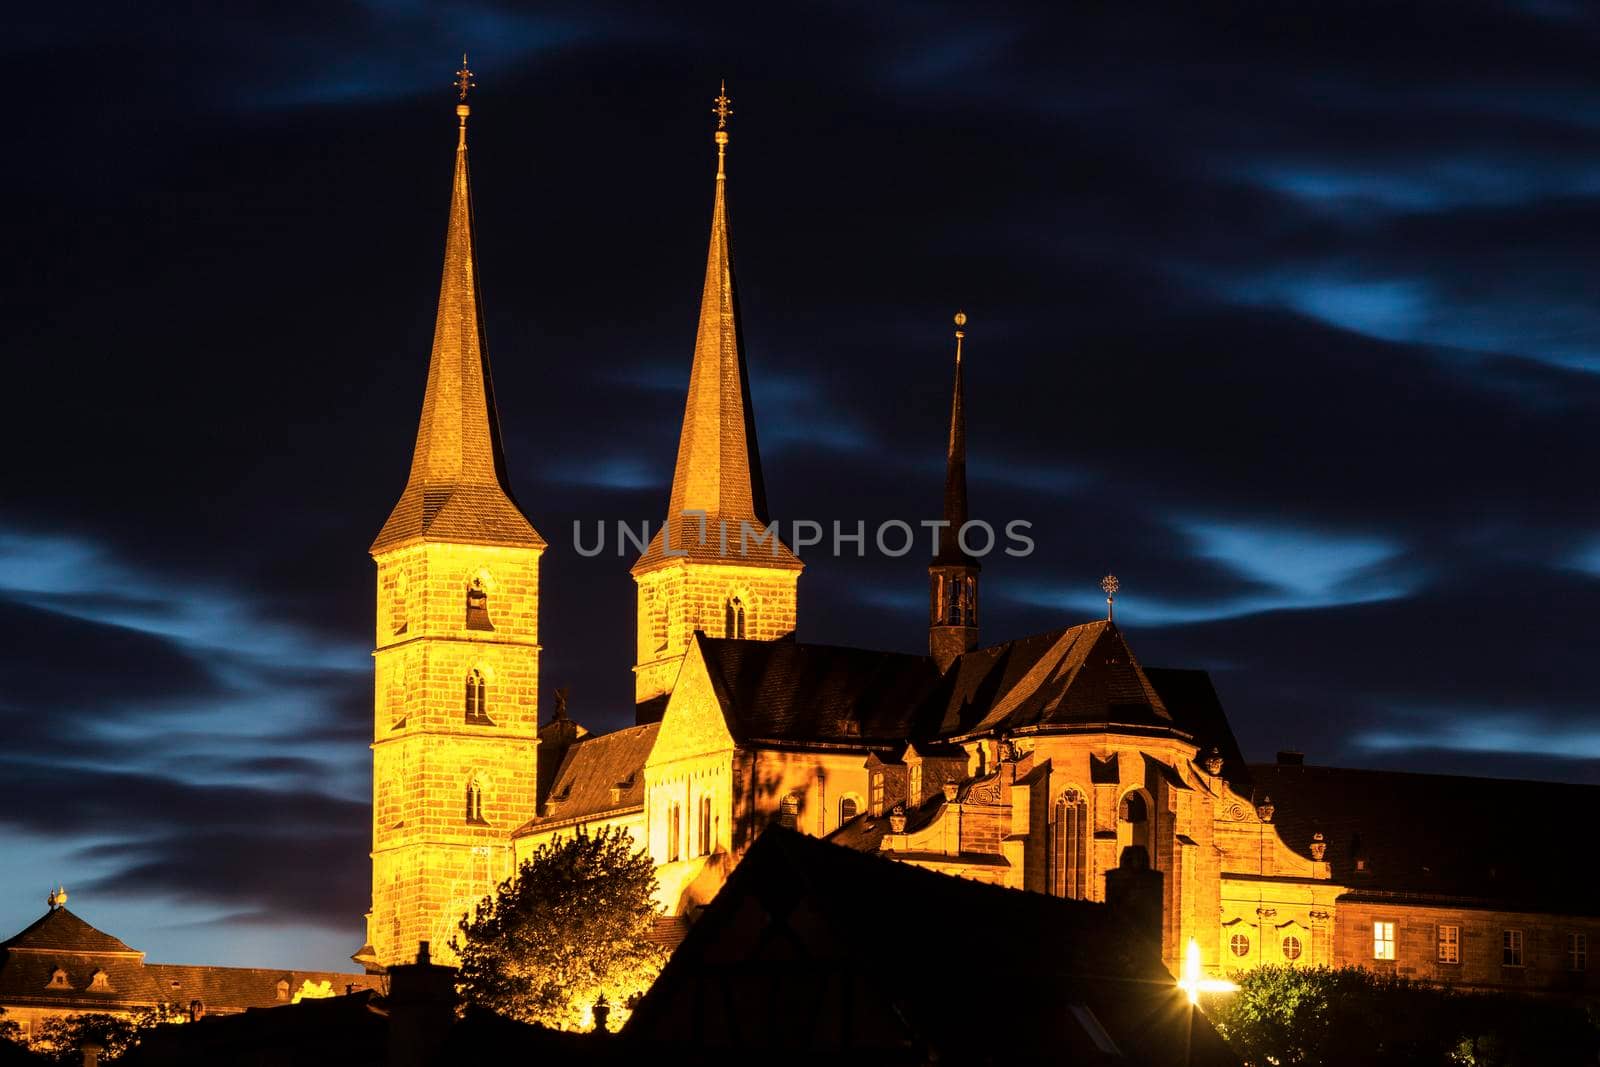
(660, 615)
(475, 803)
(789, 811)
(849, 807)
(1511, 948)
(1239, 945)
(477, 699)
(1291, 947)
(705, 826)
(478, 605)
(1072, 846)
(674, 830)
(1383, 941)
(1577, 952)
(1135, 811)
(398, 620)
(733, 619)
(1449, 944)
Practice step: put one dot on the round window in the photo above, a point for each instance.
(1291, 947)
(1239, 944)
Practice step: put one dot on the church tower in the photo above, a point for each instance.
(953, 574)
(457, 655)
(713, 566)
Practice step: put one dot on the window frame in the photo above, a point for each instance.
(1513, 943)
(1239, 945)
(789, 810)
(1450, 942)
(1577, 952)
(1384, 942)
(1283, 947)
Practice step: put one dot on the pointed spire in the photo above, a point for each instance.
(458, 490)
(718, 469)
(953, 574)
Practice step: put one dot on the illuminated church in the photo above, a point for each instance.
(1045, 763)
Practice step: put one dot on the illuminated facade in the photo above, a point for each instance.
(1056, 763)
(456, 660)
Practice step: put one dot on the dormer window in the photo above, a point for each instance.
(283, 989)
(58, 980)
(99, 982)
(478, 605)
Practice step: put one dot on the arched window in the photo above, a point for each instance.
(733, 618)
(706, 840)
(1239, 945)
(477, 698)
(849, 807)
(475, 803)
(789, 811)
(1072, 846)
(1135, 812)
(478, 605)
(1291, 947)
(674, 833)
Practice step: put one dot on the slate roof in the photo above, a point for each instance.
(59, 930)
(786, 692)
(60, 939)
(790, 957)
(718, 470)
(1487, 841)
(458, 489)
(582, 788)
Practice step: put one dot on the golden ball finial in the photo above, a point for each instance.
(961, 318)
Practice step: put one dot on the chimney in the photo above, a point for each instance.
(422, 1008)
(1289, 757)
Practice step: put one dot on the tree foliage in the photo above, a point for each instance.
(61, 1039)
(1316, 1016)
(10, 1029)
(572, 925)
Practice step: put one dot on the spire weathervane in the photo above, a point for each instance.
(464, 83)
(723, 109)
(1110, 585)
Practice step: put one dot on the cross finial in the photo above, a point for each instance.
(961, 332)
(1110, 585)
(722, 111)
(464, 80)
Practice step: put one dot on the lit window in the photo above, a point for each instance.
(877, 793)
(1577, 952)
(674, 831)
(477, 698)
(916, 785)
(475, 803)
(1239, 945)
(705, 826)
(1383, 941)
(733, 619)
(1449, 944)
(848, 807)
(1291, 947)
(1511, 948)
(789, 811)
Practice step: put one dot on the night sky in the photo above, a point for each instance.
(1289, 315)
